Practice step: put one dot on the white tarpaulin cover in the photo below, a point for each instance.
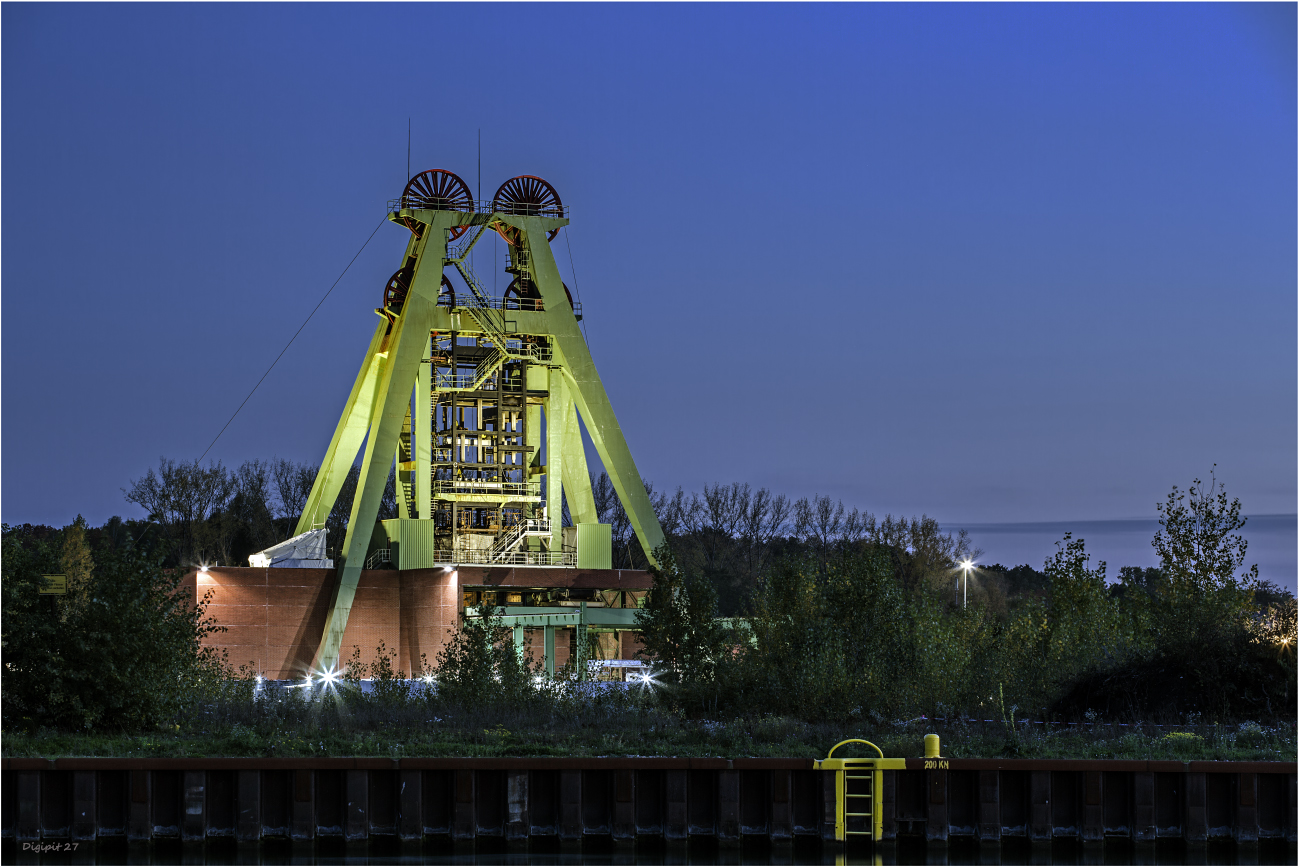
(306, 551)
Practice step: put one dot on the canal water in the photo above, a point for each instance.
(1011, 851)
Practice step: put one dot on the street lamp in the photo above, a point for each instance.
(965, 576)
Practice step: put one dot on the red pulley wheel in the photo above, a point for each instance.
(437, 190)
(529, 196)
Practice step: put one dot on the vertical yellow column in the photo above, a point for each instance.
(587, 391)
(405, 509)
(577, 480)
(346, 442)
(536, 378)
(352, 426)
(403, 350)
(557, 401)
(422, 434)
(877, 803)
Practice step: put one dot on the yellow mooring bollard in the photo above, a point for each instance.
(932, 746)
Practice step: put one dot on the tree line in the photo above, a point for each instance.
(761, 604)
(869, 628)
(218, 515)
(730, 532)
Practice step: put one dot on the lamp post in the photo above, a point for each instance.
(965, 576)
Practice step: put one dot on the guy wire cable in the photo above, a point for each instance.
(574, 272)
(291, 340)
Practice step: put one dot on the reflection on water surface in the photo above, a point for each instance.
(805, 851)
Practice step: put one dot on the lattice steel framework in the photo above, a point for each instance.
(483, 370)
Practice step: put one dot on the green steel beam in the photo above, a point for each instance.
(391, 404)
(400, 456)
(422, 434)
(557, 399)
(576, 478)
(345, 444)
(587, 390)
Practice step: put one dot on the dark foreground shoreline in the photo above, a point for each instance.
(594, 805)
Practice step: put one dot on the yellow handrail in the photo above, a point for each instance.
(855, 741)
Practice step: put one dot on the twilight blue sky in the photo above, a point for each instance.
(991, 263)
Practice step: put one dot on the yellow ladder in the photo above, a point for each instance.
(859, 787)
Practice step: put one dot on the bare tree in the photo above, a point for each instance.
(293, 483)
(765, 518)
(856, 527)
(336, 525)
(248, 510)
(673, 512)
(926, 554)
(819, 522)
(609, 510)
(721, 511)
(181, 497)
(602, 491)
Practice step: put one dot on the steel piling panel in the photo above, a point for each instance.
(649, 805)
(139, 827)
(1040, 806)
(675, 816)
(29, 806)
(889, 824)
(623, 828)
(936, 822)
(989, 823)
(1143, 822)
(489, 803)
(194, 819)
(356, 815)
(728, 824)
(1246, 828)
(781, 827)
(806, 817)
(462, 819)
(248, 806)
(517, 824)
(1094, 827)
(83, 805)
(56, 805)
(302, 825)
(570, 811)
(410, 808)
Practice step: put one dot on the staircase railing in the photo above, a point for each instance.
(518, 532)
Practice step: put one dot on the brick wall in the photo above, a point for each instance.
(430, 602)
(274, 618)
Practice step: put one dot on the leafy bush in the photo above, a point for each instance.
(480, 665)
(678, 624)
(843, 632)
(122, 650)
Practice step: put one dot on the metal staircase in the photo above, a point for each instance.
(516, 534)
(487, 312)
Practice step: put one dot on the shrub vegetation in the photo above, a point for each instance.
(848, 627)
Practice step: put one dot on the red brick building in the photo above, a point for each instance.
(274, 617)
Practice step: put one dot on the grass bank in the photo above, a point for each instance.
(367, 730)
